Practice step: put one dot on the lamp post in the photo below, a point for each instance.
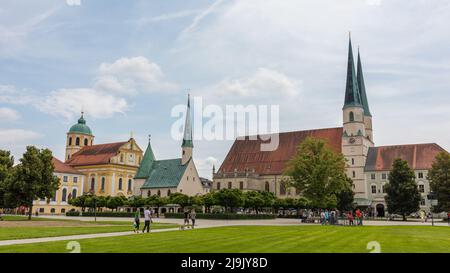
(432, 197)
(95, 209)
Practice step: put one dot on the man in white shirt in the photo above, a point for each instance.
(148, 219)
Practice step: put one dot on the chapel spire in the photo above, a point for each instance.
(352, 95)
(362, 88)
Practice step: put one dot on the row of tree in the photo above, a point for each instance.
(29, 180)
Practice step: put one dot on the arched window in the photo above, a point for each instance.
(149, 193)
(218, 185)
(77, 141)
(230, 185)
(74, 193)
(374, 189)
(92, 142)
(70, 141)
(354, 174)
(64, 195)
(282, 189)
(121, 158)
(267, 186)
(103, 184)
(120, 184)
(168, 192)
(129, 184)
(351, 116)
(85, 142)
(159, 193)
(92, 183)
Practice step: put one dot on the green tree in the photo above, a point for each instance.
(439, 177)
(230, 199)
(317, 172)
(136, 201)
(345, 199)
(208, 201)
(180, 199)
(254, 200)
(32, 179)
(78, 202)
(269, 199)
(402, 196)
(115, 202)
(158, 201)
(6, 164)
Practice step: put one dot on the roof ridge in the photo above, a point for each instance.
(411, 144)
(288, 132)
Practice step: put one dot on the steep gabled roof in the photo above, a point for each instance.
(246, 155)
(362, 88)
(95, 154)
(146, 163)
(165, 174)
(418, 156)
(61, 167)
(352, 95)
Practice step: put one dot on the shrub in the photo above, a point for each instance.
(224, 216)
(73, 213)
(102, 214)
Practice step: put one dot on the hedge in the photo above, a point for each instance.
(101, 214)
(224, 216)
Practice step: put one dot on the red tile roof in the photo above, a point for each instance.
(61, 167)
(95, 154)
(247, 155)
(419, 156)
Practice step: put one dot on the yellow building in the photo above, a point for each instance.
(71, 183)
(109, 168)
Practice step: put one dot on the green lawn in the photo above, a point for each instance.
(284, 239)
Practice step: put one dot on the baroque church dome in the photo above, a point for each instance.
(81, 127)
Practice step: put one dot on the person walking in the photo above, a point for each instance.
(322, 217)
(422, 215)
(193, 215)
(186, 218)
(147, 218)
(137, 221)
(327, 217)
(350, 218)
(359, 217)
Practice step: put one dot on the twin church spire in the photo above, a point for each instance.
(355, 90)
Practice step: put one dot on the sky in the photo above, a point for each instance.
(127, 64)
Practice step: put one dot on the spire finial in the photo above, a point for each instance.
(131, 134)
(149, 138)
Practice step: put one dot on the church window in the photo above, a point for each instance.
(421, 188)
(372, 176)
(64, 195)
(374, 189)
(121, 158)
(92, 142)
(351, 116)
(65, 178)
(353, 174)
(420, 175)
(52, 210)
(353, 161)
(230, 185)
(383, 188)
(70, 141)
(77, 141)
(85, 142)
(149, 193)
(267, 186)
(129, 184)
(120, 184)
(103, 184)
(159, 193)
(241, 185)
(218, 185)
(282, 189)
(63, 210)
(168, 192)
(74, 193)
(92, 184)
(75, 179)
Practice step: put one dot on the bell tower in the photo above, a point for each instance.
(79, 135)
(355, 139)
(187, 146)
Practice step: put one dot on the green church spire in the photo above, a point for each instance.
(352, 95)
(146, 163)
(187, 137)
(362, 88)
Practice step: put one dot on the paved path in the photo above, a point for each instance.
(200, 223)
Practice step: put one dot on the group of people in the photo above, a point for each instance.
(358, 216)
(147, 220)
(189, 215)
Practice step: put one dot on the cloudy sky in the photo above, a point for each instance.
(128, 63)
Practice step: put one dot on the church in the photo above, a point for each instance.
(246, 167)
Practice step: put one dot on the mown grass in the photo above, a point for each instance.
(269, 239)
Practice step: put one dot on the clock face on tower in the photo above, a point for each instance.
(352, 140)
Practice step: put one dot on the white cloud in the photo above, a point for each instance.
(263, 82)
(17, 136)
(130, 76)
(168, 16)
(8, 114)
(205, 165)
(199, 18)
(69, 102)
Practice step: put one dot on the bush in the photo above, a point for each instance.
(102, 214)
(224, 216)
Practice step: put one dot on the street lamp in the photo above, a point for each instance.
(433, 200)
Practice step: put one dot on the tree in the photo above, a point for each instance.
(136, 201)
(158, 201)
(79, 202)
(208, 201)
(254, 200)
(402, 195)
(269, 198)
(115, 201)
(229, 198)
(32, 179)
(345, 198)
(317, 172)
(6, 164)
(180, 199)
(439, 177)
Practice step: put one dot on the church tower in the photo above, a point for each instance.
(355, 138)
(79, 135)
(187, 145)
(365, 103)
